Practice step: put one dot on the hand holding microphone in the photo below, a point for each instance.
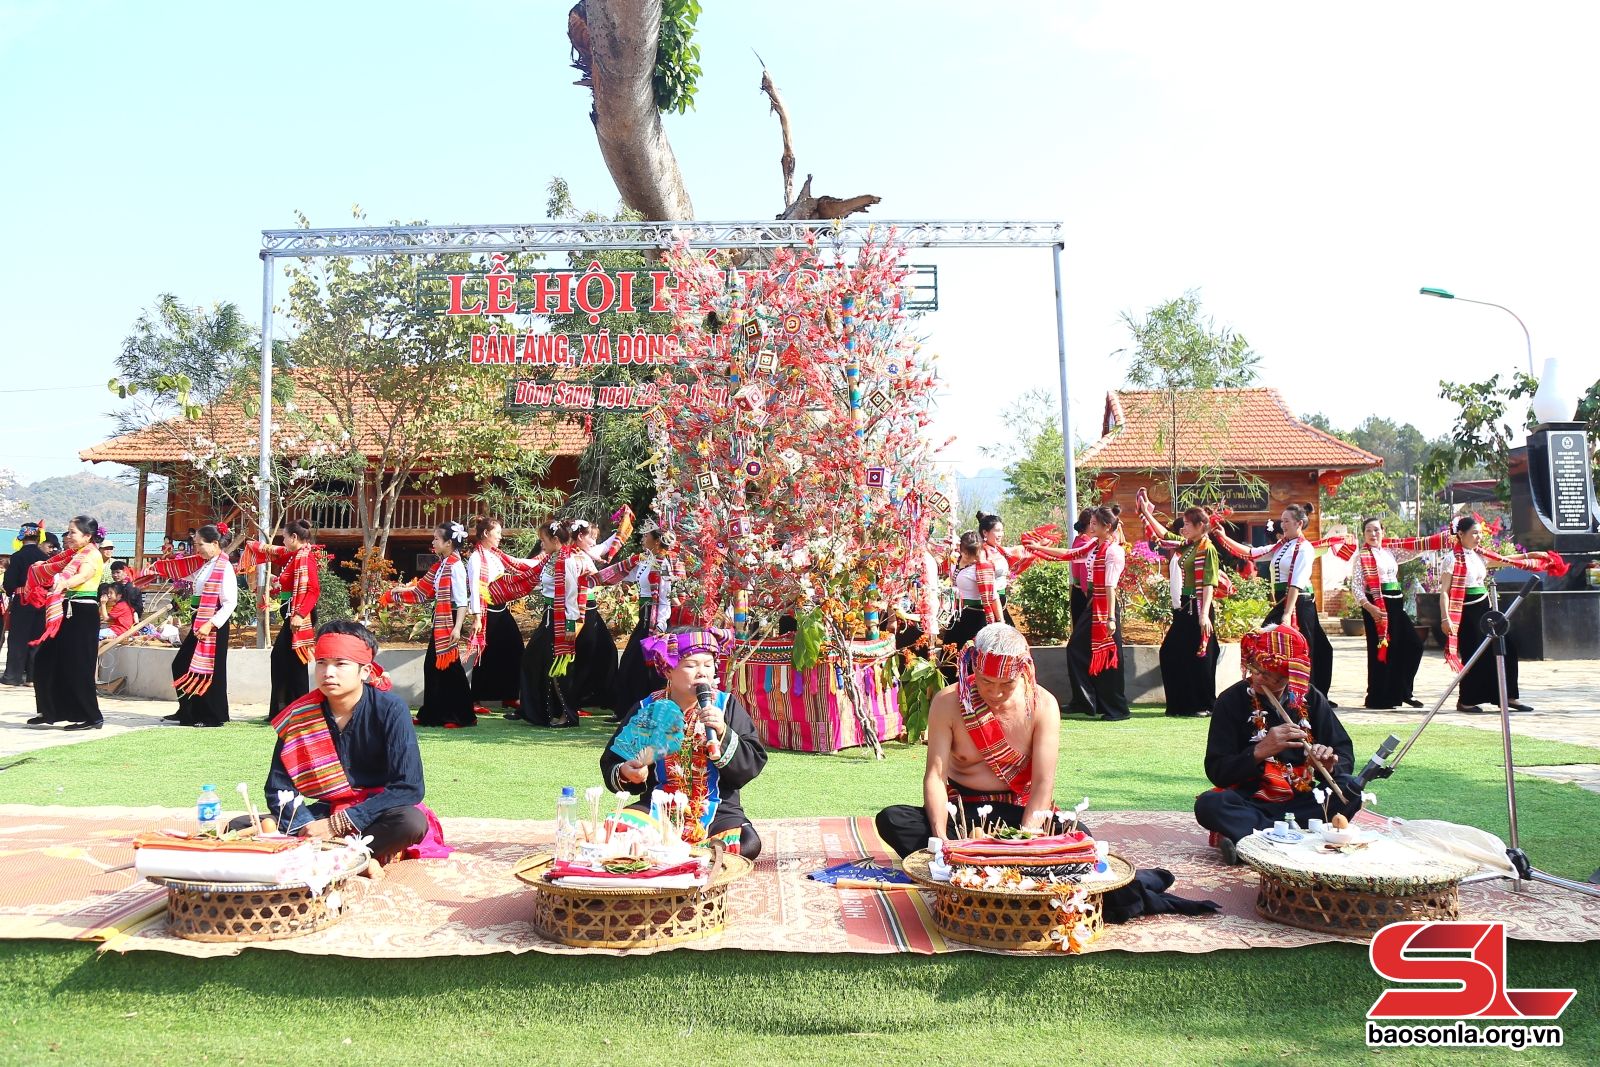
(710, 716)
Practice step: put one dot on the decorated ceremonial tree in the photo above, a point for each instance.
(792, 454)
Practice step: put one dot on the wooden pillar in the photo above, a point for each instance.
(138, 518)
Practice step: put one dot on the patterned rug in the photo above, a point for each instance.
(56, 881)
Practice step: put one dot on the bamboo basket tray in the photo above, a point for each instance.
(1016, 920)
(589, 917)
(258, 911)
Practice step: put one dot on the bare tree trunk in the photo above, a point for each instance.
(623, 36)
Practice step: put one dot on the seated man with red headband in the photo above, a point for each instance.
(1257, 761)
(349, 749)
(993, 739)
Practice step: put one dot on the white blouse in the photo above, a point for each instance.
(967, 582)
(653, 578)
(227, 596)
(1300, 555)
(1477, 571)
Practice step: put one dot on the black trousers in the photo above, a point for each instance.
(1190, 680)
(1234, 813)
(1482, 684)
(393, 830)
(25, 625)
(964, 629)
(1305, 617)
(591, 678)
(497, 675)
(542, 701)
(905, 827)
(63, 684)
(1389, 681)
(446, 699)
(1101, 694)
(635, 679)
(290, 677)
(211, 707)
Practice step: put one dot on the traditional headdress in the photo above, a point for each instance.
(31, 533)
(354, 649)
(1282, 650)
(664, 651)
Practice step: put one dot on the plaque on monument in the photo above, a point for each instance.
(1570, 480)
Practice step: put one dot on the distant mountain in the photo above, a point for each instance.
(56, 500)
(981, 490)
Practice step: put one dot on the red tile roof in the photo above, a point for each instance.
(1251, 429)
(235, 430)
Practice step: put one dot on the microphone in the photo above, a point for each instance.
(1378, 766)
(705, 696)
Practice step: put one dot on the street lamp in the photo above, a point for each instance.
(1445, 294)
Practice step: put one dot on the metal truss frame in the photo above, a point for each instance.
(358, 241)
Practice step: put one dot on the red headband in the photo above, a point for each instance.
(352, 648)
(996, 665)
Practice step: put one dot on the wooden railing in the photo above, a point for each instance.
(412, 514)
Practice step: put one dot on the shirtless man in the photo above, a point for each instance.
(993, 738)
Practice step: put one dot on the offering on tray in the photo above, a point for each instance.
(1041, 856)
(268, 860)
(630, 873)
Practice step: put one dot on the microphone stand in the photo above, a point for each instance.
(1496, 624)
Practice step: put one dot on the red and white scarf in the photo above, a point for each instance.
(988, 736)
(565, 644)
(39, 590)
(486, 590)
(1102, 629)
(983, 570)
(438, 586)
(203, 663)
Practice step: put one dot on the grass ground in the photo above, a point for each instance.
(64, 1004)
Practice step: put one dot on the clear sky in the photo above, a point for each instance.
(1305, 167)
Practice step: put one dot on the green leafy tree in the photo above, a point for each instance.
(406, 406)
(1182, 354)
(1035, 474)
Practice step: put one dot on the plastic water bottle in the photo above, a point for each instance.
(208, 809)
(567, 823)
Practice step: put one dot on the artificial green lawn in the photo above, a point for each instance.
(63, 1003)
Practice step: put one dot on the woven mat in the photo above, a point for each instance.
(54, 884)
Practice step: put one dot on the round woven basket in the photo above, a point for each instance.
(234, 911)
(1017, 920)
(1352, 911)
(587, 917)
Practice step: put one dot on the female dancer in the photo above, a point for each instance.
(652, 572)
(1078, 601)
(1292, 557)
(1464, 603)
(64, 663)
(1094, 652)
(1007, 563)
(446, 699)
(297, 588)
(1394, 652)
(975, 592)
(200, 669)
(540, 695)
(494, 632)
(592, 669)
(1189, 651)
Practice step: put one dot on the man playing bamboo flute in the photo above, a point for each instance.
(348, 748)
(1257, 761)
(992, 744)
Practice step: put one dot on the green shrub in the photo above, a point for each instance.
(333, 601)
(1242, 612)
(1043, 597)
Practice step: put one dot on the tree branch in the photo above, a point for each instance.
(622, 37)
(785, 161)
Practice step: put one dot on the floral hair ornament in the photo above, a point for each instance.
(352, 648)
(222, 528)
(458, 532)
(1281, 650)
(664, 652)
